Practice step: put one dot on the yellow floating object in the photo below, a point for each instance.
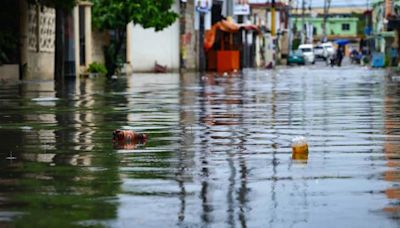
(299, 148)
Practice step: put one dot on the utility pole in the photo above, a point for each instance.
(327, 5)
(290, 27)
(388, 8)
(303, 22)
(273, 18)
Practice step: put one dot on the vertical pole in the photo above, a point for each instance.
(129, 30)
(388, 8)
(290, 33)
(324, 22)
(59, 49)
(273, 19)
(303, 22)
(88, 34)
(76, 40)
(23, 59)
(182, 32)
(202, 63)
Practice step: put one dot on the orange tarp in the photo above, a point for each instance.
(225, 26)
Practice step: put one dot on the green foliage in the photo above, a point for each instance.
(8, 43)
(114, 15)
(296, 43)
(97, 68)
(9, 33)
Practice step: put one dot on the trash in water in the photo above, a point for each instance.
(128, 139)
(299, 148)
(25, 128)
(11, 157)
(45, 99)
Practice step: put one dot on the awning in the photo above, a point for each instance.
(225, 26)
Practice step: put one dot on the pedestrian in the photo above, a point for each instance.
(339, 55)
(393, 56)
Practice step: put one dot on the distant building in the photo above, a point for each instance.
(340, 23)
(386, 24)
(336, 27)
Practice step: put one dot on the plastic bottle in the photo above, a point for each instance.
(299, 148)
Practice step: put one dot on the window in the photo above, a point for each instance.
(345, 27)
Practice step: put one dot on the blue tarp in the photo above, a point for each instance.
(342, 41)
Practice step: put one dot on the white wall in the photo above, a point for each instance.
(148, 46)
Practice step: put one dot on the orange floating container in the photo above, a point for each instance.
(299, 148)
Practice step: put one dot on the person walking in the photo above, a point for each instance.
(339, 55)
(394, 56)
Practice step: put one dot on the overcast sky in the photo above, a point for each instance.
(337, 3)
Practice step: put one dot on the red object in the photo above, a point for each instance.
(129, 137)
(228, 61)
(159, 68)
(212, 60)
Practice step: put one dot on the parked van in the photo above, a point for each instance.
(329, 48)
(308, 53)
(321, 52)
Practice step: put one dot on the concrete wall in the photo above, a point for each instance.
(41, 66)
(37, 42)
(99, 40)
(189, 44)
(9, 72)
(148, 46)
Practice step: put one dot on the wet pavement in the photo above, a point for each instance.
(218, 152)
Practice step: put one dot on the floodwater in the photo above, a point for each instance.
(218, 153)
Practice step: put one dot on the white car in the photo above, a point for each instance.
(321, 52)
(308, 53)
(329, 48)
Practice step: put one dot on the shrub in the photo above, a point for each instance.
(97, 68)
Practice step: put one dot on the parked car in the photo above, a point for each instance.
(296, 57)
(308, 53)
(321, 52)
(329, 48)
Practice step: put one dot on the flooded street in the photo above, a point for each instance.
(218, 152)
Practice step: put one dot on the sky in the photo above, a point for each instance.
(337, 3)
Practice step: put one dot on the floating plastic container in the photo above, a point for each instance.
(299, 148)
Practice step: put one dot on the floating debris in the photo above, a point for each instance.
(128, 139)
(11, 157)
(299, 148)
(129, 136)
(45, 99)
(25, 128)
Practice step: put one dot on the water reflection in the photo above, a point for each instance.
(392, 148)
(218, 152)
(57, 135)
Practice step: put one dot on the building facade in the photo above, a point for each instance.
(336, 27)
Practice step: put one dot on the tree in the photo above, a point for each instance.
(114, 15)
